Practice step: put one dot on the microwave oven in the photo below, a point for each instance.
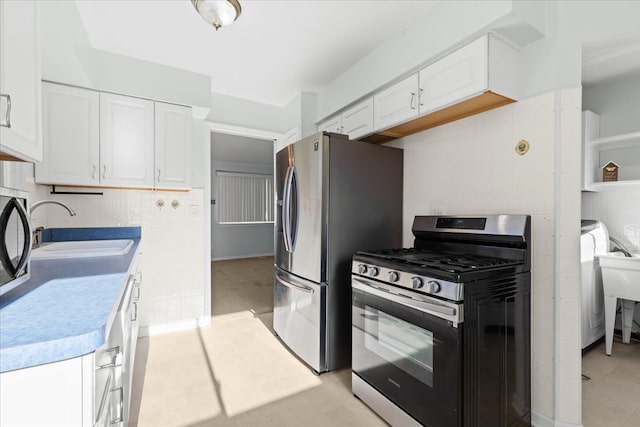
(15, 238)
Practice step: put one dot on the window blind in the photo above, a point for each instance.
(244, 198)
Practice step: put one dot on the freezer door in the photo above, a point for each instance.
(300, 213)
(299, 317)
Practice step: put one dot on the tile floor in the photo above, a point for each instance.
(242, 285)
(235, 372)
(611, 398)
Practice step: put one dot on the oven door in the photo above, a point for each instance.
(410, 356)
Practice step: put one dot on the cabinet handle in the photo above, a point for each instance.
(420, 97)
(104, 171)
(113, 363)
(134, 316)
(120, 406)
(413, 97)
(159, 174)
(137, 296)
(138, 279)
(7, 120)
(93, 172)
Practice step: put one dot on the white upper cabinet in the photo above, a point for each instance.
(397, 103)
(357, 121)
(70, 123)
(101, 139)
(484, 65)
(454, 77)
(172, 146)
(332, 124)
(126, 141)
(20, 136)
(290, 137)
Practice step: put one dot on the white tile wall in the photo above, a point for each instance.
(172, 245)
(471, 167)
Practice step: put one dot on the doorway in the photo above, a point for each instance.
(241, 224)
(610, 208)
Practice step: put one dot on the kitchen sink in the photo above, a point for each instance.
(82, 249)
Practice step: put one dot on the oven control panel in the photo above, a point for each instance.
(426, 285)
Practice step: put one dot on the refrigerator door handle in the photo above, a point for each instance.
(286, 209)
(290, 284)
(294, 211)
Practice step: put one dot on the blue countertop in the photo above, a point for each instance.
(65, 308)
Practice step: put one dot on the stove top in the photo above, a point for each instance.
(451, 266)
(446, 261)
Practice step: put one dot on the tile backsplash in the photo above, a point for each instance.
(172, 247)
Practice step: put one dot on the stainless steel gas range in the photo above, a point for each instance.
(441, 331)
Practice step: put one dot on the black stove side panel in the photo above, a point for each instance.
(497, 352)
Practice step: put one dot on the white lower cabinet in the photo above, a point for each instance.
(93, 390)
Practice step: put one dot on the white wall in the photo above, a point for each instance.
(617, 102)
(242, 240)
(470, 167)
(67, 57)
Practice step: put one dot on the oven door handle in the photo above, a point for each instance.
(435, 309)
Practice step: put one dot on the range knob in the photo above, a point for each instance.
(362, 269)
(393, 276)
(373, 272)
(416, 282)
(433, 287)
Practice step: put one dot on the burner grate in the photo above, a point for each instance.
(444, 261)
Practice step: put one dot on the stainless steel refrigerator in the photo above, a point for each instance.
(334, 197)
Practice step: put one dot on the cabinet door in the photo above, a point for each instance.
(459, 75)
(357, 121)
(396, 104)
(332, 124)
(20, 136)
(288, 138)
(126, 141)
(172, 146)
(70, 119)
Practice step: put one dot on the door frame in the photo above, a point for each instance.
(217, 127)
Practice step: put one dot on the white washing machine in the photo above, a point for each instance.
(594, 240)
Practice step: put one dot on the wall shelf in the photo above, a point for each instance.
(593, 148)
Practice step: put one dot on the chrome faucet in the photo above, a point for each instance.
(50, 202)
(37, 233)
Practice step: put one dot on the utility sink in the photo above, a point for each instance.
(82, 249)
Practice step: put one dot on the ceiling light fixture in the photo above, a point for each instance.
(218, 12)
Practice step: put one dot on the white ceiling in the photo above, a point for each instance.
(239, 149)
(610, 59)
(273, 51)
